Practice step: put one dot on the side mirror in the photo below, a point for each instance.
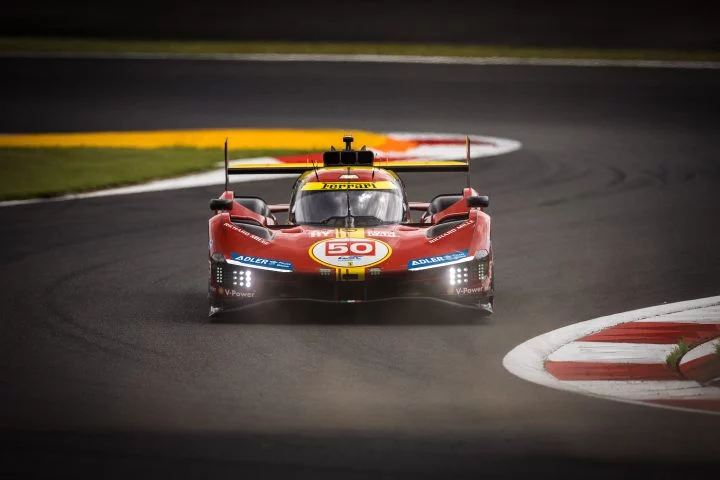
(221, 204)
(482, 201)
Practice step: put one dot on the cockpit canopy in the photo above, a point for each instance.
(342, 204)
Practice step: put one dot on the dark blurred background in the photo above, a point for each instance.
(687, 25)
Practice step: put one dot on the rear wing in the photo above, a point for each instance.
(347, 158)
(399, 166)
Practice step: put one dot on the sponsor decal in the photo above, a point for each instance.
(246, 233)
(429, 262)
(350, 252)
(262, 263)
(230, 292)
(451, 231)
(380, 185)
(323, 232)
(467, 291)
(380, 233)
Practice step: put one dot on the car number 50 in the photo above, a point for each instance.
(353, 248)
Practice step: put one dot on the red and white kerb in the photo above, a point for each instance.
(624, 357)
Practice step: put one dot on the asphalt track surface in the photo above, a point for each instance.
(110, 367)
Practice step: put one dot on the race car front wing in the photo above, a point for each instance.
(466, 284)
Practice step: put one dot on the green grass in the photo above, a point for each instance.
(28, 44)
(674, 357)
(47, 172)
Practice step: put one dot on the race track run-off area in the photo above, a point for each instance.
(625, 357)
(407, 146)
(111, 368)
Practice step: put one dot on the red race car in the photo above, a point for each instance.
(350, 237)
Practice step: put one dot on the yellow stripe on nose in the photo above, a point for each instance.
(350, 274)
(349, 233)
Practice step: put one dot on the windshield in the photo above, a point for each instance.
(367, 207)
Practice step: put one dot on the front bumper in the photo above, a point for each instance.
(229, 288)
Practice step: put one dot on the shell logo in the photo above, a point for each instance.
(350, 252)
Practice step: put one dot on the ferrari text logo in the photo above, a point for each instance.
(348, 186)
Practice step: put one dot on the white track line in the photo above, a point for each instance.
(648, 389)
(612, 352)
(706, 315)
(527, 359)
(371, 58)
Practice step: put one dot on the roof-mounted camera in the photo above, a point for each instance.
(348, 157)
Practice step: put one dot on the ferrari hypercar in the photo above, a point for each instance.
(350, 237)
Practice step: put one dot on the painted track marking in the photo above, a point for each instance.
(371, 58)
(628, 371)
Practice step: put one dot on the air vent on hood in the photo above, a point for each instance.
(433, 232)
(255, 229)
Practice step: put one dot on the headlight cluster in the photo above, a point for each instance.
(482, 271)
(242, 278)
(483, 264)
(458, 275)
(473, 271)
(229, 277)
(218, 274)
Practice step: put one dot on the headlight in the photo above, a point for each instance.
(483, 264)
(458, 275)
(242, 278)
(229, 276)
(217, 265)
